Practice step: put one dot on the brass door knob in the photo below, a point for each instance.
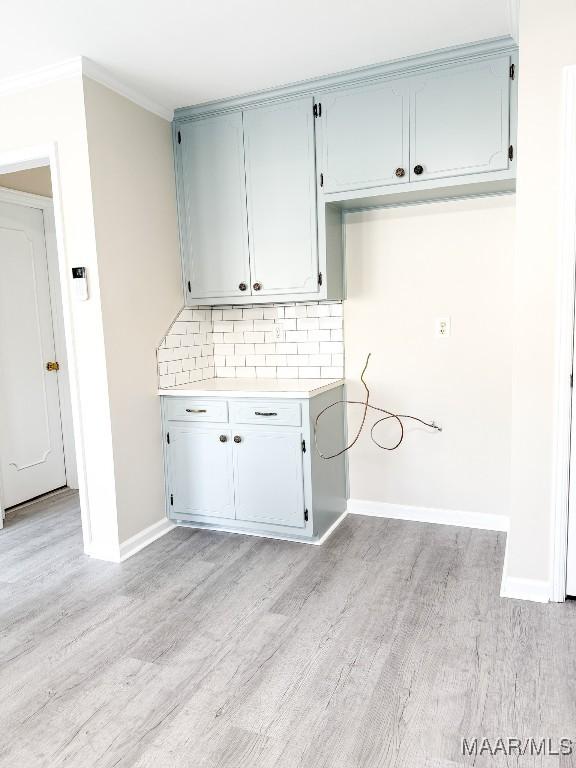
(242, 286)
(400, 172)
(223, 438)
(257, 286)
(52, 366)
(418, 170)
(237, 439)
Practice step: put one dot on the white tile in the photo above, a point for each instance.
(276, 360)
(162, 369)
(231, 314)
(217, 338)
(330, 323)
(295, 361)
(331, 373)
(264, 325)
(290, 311)
(338, 360)
(288, 324)
(233, 338)
(254, 337)
(337, 335)
(174, 366)
(271, 337)
(168, 381)
(266, 372)
(308, 347)
(225, 372)
(253, 313)
(206, 327)
(264, 349)
(285, 373)
(201, 314)
(224, 349)
(207, 349)
(216, 314)
(193, 327)
(201, 362)
(336, 310)
(233, 360)
(165, 355)
(179, 328)
(279, 312)
(182, 378)
(323, 310)
(256, 360)
(186, 314)
(296, 335)
(223, 326)
(172, 341)
(284, 348)
(320, 359)
(270, 313)
(197, 375)
(243, 325)
(219, 360)
(246, 373)
(332, 347)
(309, 373)
(244, 349)
(308, 323)
(319, 335)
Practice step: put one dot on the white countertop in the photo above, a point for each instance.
(289, 388)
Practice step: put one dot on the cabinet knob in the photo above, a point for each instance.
(257, 286)
(223, 438)
(242, 286)
(237, 439)
(418, 169)
(400, 172)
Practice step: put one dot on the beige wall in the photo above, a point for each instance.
(54, 114)
(547, 44)
(133, 191)
(36, 181)
(405, 268)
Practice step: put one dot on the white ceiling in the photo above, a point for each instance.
(180, 52)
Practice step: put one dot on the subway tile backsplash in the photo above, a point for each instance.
(271, 341)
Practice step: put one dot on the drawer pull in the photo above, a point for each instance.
(265, 413)
(223, 439)
(195, 410)
(237, 439)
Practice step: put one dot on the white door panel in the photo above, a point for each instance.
(268, 476)
(31, 446)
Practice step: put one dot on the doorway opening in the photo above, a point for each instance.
(37, 450)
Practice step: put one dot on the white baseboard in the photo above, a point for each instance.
(481, 520)
(145, 537)
(525, 589)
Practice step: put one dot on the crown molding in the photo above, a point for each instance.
(64, 70)
(100, 75)
(79, 67)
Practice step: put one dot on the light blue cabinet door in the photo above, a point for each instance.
(460, 120)
(200, 471)
(268, 476)
(281, 191)
(212, 207)
(364, 136)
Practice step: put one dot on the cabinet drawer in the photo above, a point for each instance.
(188, 409)
(267, 413)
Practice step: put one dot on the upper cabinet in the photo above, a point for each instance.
(263, 180)
(212, 207)
(460, 120)
(281, 193)
(363, 136)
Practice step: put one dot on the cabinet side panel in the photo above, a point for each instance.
(329, 486)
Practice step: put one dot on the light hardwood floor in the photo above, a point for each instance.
(384, 647)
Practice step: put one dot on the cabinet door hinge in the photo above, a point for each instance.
(171, 499)
(168, 437)
(303, 446)
(317, 110)
(305, 515)
(510, 152)
(179, 138)
(512, 71)
(319, 278)
(321, 179)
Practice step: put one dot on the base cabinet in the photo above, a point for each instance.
(256, 470)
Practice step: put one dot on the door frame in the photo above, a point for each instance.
(564, 398)
(44, 204)
(22, 160)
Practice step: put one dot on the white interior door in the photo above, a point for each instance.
(31, 443)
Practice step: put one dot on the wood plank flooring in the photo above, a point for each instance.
(384, 647)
